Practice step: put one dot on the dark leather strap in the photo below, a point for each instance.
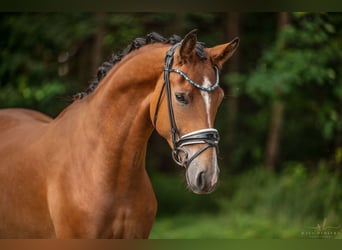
(209, 137)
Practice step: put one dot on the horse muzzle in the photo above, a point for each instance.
(202, 181)
(201, 169)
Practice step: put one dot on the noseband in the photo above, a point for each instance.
(209, 137)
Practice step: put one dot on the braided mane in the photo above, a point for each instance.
(134, 45)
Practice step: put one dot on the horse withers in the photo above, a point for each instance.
(82, 174)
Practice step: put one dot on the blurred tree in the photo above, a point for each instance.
(272, 146)
(305, 57)
(37, 50)
(231, 29)
(98, 41)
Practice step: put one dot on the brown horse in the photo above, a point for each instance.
(82, 174)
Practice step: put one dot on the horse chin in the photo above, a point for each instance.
(199, 181)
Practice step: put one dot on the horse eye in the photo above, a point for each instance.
(181, 98)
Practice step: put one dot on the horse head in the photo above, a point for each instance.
(184, 105)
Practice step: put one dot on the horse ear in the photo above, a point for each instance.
(188, 46)
(221, 53)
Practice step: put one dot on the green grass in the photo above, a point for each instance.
(224, 226)
(256, 204)
(238, 226)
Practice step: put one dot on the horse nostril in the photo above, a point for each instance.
(201, 180)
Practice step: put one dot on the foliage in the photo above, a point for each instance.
(294, 192)
(257, 204)
(32, 75)
(34, 96)
(302, 68)
(304, 53)
(308, 52)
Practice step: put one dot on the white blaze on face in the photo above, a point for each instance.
(206, 97)
(207, 102)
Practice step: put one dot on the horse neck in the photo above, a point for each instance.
(122, 101)
(113, 124)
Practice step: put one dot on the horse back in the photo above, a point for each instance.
(22, 199)
(15, 115)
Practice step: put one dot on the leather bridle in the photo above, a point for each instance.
(209, 136)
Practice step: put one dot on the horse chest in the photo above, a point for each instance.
(129, 223)
(134, 214)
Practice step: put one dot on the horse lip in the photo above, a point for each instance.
(197, 190)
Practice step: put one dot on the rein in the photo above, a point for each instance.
(208, 136)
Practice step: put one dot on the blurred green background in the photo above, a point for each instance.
(280, 121)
